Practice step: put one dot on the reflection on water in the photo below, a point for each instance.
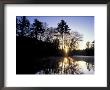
(71, 66)
(68, 65)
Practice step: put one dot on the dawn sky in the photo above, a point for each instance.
(82, 24)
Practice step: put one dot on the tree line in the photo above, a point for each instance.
(40, 31)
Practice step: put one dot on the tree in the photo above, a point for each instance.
(88, 45)
(92, 45)
(22, 26)
(17, 27)
(38, 28)
(89, 48)
(63, 29)
(45, 25)
(75, 38)
(50, 34)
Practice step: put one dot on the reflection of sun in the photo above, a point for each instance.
(64, 63)
(69, 65)
(65, 60)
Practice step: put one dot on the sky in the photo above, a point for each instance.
(82, 24)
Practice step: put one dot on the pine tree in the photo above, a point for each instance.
(63, 29)
(22, 26)
(38, 28)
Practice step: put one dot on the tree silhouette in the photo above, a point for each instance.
(92, 45)
(88, 45)
(50, 34)
(75, 38)
(22, 26)
(63, 29)
(38, 28)
(89, 48)
(17, 27)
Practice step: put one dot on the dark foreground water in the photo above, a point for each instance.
(67, 65)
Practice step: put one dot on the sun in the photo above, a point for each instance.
(66, 49)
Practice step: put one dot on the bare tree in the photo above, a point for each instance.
(49, 34)
(75, 39)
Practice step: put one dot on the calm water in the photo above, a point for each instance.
(67, 65)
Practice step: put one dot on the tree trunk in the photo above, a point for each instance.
(62, 41)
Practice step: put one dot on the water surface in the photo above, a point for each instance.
(67, 65)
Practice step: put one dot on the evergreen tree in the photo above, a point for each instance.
(22, 26)
(63, 29)
(38, 28)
